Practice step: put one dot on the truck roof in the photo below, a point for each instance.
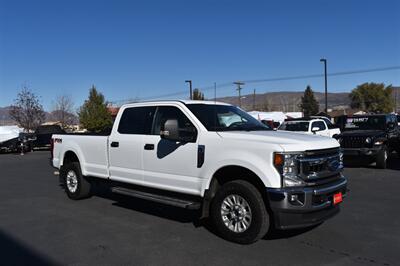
(177, 101)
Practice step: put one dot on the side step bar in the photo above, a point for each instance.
(181, 203)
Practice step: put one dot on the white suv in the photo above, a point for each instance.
(318, 126)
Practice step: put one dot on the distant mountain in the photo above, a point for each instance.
(5, 118)
(287, 101)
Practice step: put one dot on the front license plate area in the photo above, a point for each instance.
(337, 198)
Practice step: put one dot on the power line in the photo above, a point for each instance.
(252, 81)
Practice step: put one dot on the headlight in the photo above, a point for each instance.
(286, 164)
(378, 142)
(368, 140)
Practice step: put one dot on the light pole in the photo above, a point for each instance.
(190, 88)
(326, 84)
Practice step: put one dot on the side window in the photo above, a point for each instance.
(169, 112)
(328, 123)
(319, 124)
(136, 120)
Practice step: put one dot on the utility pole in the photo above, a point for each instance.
(239, 83)
(254, 100)
(190, 88)
(215, 91)
(326, 84)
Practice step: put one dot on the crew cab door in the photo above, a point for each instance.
(323, 129)
(168, 164)
(126, 144)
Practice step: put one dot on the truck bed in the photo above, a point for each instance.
(92, 148)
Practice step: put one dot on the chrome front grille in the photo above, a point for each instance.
(320, 166)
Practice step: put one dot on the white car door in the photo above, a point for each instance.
(126, 144)
(168, 164)
(323, 129)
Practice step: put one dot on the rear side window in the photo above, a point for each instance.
(136, 120)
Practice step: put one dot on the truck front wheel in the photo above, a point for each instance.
(238, 212)
(75, 184)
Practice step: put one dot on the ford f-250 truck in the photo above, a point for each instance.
(213, 157)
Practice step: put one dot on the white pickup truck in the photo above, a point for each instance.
(311, 125)
(213, 157)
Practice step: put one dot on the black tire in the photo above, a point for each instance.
(381, 158)
(83, 186)
(259, 224)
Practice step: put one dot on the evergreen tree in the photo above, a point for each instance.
(198, 95)
(93, 114)
(372, 97)
(309, 104)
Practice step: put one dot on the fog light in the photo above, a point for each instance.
(294, 198)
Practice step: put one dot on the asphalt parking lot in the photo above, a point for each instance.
(40, 225)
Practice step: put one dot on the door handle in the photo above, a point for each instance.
(149, 147)
(114, 144)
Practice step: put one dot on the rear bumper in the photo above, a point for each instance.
(307, 206)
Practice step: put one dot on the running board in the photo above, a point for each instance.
(181, 203)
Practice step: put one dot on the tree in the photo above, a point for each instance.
(198, 95)
(63, 111)
(372, 97)
(27, 110)
(309, 104)
(93, 114)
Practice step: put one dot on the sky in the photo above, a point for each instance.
(147, 49)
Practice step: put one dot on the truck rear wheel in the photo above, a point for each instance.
(381, 158)
(75, 184)
(238, 212)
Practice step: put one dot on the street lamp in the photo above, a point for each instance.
(190, 88)
(326, 84)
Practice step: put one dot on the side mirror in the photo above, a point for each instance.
(169, 130)
(314, 129)
(391, 125)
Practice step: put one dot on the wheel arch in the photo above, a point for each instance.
(69, 157)
(230, 173)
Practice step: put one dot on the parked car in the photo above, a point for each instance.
(213, 157)
(42, 135)
(12, 139)
(318, 126)
(369, 137)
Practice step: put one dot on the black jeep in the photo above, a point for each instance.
(369, 137)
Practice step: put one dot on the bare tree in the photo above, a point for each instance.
(63, 110)
(27, 110)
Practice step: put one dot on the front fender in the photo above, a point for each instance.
(269, 177)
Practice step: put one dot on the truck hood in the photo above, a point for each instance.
(289, 141)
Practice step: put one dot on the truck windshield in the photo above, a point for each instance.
(225, 118)
(294, 126)
(365, 123)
